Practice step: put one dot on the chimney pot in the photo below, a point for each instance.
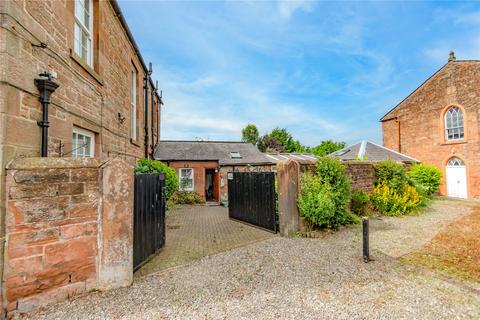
(451, 56)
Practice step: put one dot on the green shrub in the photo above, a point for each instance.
(389, 201)
(425, 177)
(360, 202)
(392, 173)
(186, 197)
(324, 195)
(154, 166)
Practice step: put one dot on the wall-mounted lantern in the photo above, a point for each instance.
(46, 86)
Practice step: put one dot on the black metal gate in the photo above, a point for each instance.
(251, 198)
(149, 217)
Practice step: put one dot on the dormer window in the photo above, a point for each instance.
(454, 129)
(235, 155)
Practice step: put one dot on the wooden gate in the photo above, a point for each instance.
(252, 199)
(149, 217)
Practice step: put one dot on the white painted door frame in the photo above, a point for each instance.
(456, 178)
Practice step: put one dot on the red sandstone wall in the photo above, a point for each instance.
(52, 231)
(88, 97)
(362, 175)
(421, 118)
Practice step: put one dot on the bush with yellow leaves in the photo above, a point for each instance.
(391, 202)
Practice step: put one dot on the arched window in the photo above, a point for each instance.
(454, 124)
(455, 162)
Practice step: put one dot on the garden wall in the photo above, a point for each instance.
(362, 175)
(289, 173)
(68, 229)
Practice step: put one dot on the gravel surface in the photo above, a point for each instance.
(287, 278)
(413, 232)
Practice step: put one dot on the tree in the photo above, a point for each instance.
(286, 140)
(326, 147)
(250, 134)
(267, 143)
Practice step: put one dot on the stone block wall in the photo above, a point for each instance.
(289, 174)
(68, 229)
(362, 175)
(416, 126)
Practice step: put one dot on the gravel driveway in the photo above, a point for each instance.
(287, 278)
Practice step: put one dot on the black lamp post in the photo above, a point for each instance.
(46, 86)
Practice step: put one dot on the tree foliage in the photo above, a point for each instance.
(326, 147)
(280, 140)
(250, 134)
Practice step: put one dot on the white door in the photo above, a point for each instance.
(456, 178)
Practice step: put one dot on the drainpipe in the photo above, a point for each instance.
(152, 119)
(46, 86)
(399, 137)
(159, 119)
(147, 81)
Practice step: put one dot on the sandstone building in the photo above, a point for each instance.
(103, 103)
(439, 124)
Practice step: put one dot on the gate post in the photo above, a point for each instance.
(288, 173)
(115, 234)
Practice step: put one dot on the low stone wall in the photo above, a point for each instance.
(68, 229)
(289, 173)
(362, 175)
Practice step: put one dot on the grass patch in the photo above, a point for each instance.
(453, 251)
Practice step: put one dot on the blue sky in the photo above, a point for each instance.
(323, 70)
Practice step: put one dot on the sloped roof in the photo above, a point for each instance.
(300, 157)
(439, 71)
(211, 150)
(366, 150)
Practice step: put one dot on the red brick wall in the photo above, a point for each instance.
(421, 121)
(199, 168)
(52, 231)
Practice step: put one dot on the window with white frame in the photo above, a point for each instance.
(186, 179)
(83, 143)
(454, 129)
(133, 91)
(83, 30)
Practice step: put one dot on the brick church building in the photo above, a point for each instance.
(438, 124)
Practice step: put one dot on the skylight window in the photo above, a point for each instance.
(235, 155)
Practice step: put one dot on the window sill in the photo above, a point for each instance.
(135, 142)
(453, 142)
(86, 67)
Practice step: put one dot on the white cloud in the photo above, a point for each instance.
(286, 8)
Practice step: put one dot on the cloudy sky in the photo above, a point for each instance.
(323, 70)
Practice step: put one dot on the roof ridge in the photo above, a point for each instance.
(399, 153)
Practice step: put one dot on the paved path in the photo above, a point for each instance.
(193, 232)
(294, 278)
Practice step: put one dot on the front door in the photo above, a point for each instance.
(210, 185)
(456, 178)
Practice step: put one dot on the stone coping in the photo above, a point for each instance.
(36, 163)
